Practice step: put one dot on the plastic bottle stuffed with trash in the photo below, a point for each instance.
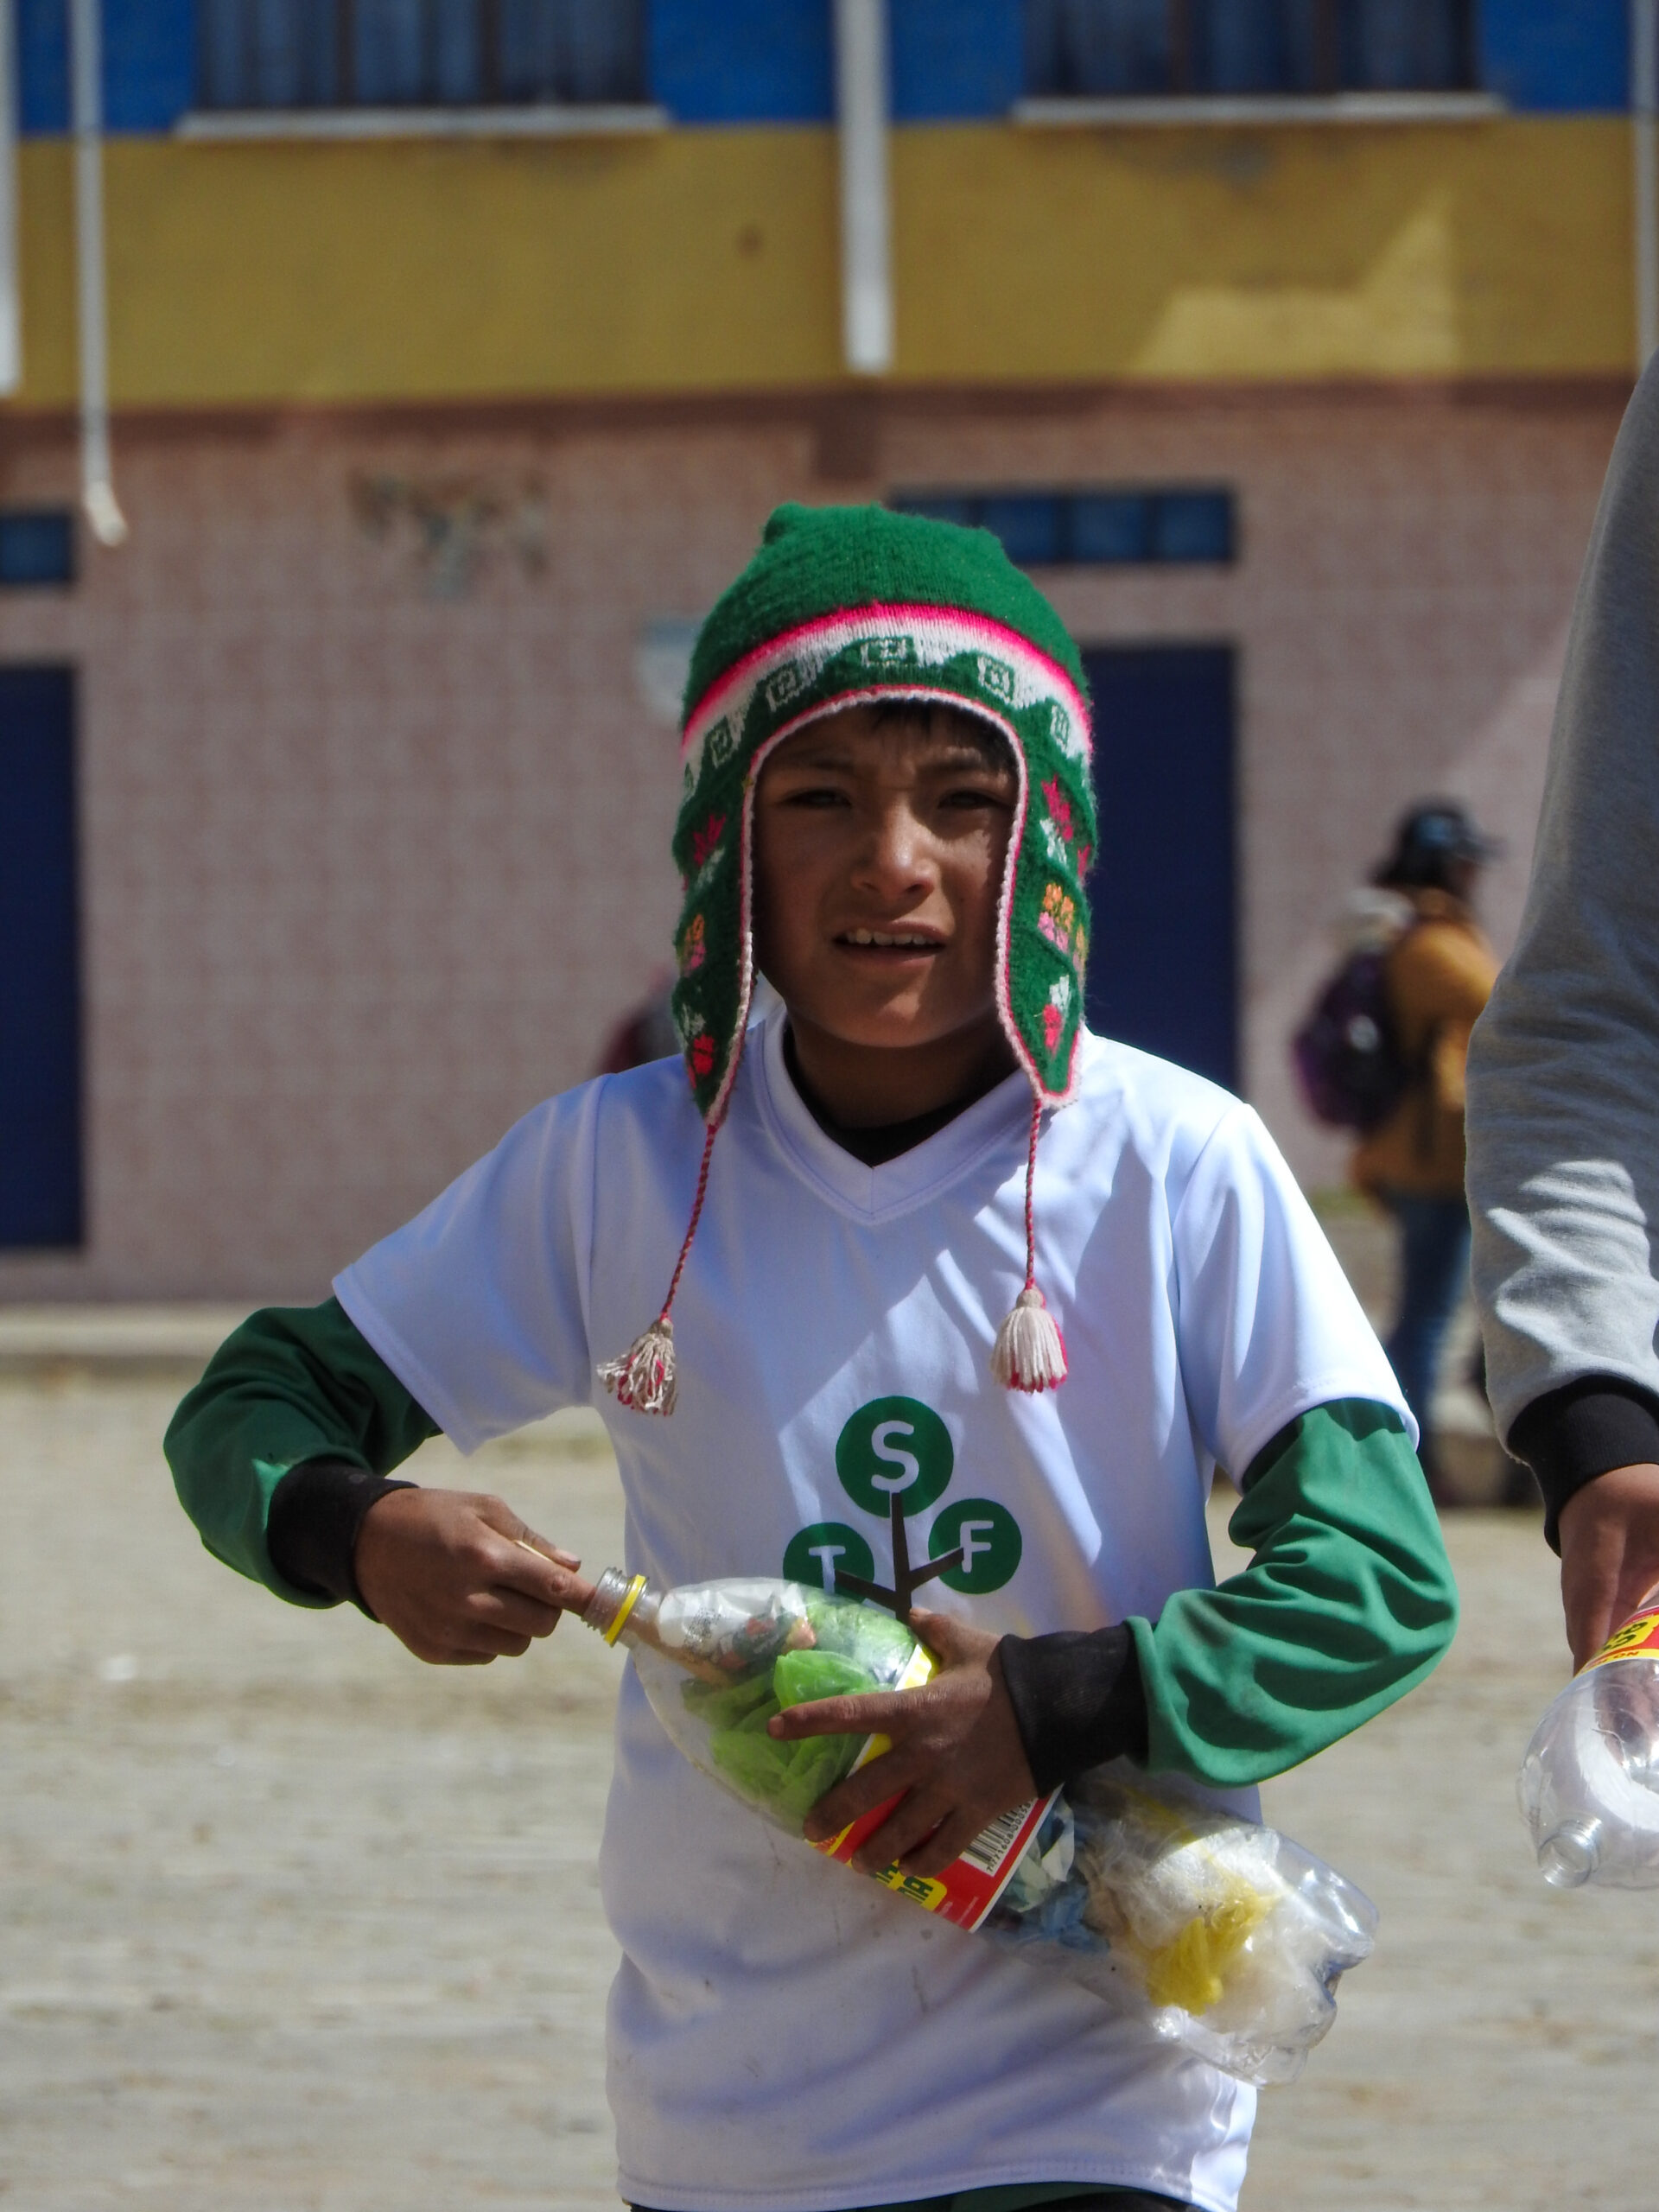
(1589, 1784)
(1215, 1932)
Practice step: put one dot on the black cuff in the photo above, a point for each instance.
(1570, 1436)
(1077, 1699)
(311, 1530)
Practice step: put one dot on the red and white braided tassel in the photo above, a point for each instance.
(643, 1377)
(1029, 1353)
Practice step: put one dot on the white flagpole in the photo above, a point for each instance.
(866, 215)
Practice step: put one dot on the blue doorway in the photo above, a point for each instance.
(40, 963)
(1163, 961)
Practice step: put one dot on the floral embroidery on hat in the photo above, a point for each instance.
(707, 854)
(693, 945)
(698, 1043)
(1054, 1014)
(1058, 917)
(1059, 807)
(1060, 830)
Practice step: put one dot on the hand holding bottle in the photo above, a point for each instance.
(955, 1761)
(458, 1577)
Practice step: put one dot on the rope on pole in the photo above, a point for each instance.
(99, 503)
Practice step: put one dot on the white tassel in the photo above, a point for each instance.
(1029, 1353)
(643, 1377)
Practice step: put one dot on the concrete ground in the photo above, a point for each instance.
(289, 1924)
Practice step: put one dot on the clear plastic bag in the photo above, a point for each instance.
(1222, 1935)
(1216, 1933)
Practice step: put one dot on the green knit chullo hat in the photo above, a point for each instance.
(842, 607)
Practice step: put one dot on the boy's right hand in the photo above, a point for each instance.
(458, 1577)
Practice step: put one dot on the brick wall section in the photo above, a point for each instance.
(1400, 607)
(367, 871)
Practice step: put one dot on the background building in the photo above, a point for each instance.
(457, 349)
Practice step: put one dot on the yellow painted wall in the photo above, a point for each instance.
(1497, 248)
(437, 270)
(703, 260)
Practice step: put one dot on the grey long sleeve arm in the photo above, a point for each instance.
(1563, 1099)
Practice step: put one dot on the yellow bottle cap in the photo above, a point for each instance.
(635, 1590)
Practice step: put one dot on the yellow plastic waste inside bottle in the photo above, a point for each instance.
(1191, 1970)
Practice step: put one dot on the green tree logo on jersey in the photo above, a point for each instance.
(894, 1450)
(816, 1556)
(988, 1537)
(895, 1459)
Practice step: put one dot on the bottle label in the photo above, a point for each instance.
(1638, 1634)
(965, 1892)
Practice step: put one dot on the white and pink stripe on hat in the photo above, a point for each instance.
(899, 643)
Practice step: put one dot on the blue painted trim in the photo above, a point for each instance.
(1130, 526)
(743, 61)
(955, 60)
(1556, 56)
(41, 1199)
(770, 61)
(43, 67)
(149, 62)
(37, 547)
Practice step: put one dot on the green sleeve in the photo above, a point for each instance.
(1346, 1604)
(293, 1383)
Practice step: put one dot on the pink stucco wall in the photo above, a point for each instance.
(367, 869)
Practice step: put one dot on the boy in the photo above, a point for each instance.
(901, 1273)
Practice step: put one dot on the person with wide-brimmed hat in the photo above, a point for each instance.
(1437, 978)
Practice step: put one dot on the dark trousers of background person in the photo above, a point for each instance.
(1433, 1273)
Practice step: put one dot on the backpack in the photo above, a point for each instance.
(1346, 1054)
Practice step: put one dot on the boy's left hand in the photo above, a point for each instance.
(957, 1759)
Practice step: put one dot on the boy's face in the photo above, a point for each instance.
(880, 841)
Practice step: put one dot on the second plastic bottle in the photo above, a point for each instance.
(1589, 1785)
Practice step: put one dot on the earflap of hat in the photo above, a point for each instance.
(1043, 926)
(712, 943)
(934, 653)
